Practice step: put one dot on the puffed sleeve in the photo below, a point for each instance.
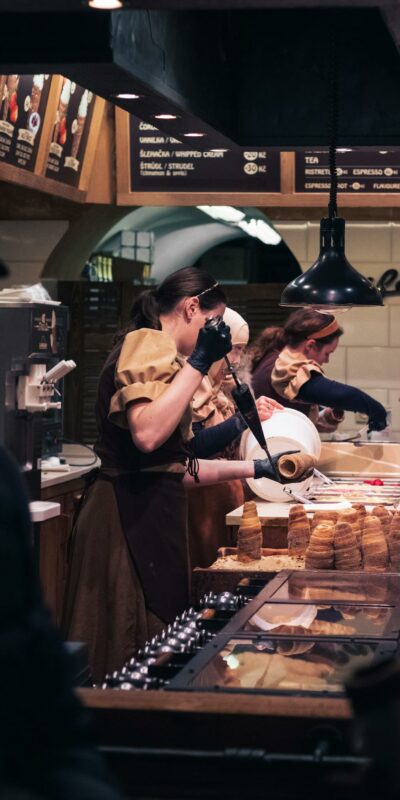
(146, 366)
(291, 371)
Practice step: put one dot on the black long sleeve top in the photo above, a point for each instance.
(324, 392)
(208, 442)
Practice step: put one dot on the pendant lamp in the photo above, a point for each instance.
(331, 284)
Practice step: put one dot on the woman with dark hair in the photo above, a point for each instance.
(287, 366)
(129, 572)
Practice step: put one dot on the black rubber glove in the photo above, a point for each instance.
(377, 422)
(263, 468)
(213, 343)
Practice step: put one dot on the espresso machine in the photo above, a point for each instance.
(33, 341)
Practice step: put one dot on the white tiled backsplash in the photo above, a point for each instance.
(368, 355)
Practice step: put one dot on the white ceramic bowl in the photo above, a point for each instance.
(285, 430)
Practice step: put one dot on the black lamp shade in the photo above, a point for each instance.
(331, 282)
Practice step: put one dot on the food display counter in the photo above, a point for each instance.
(260, 672)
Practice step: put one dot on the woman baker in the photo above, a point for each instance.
(129, 572)
(213, 408)
(287, 366)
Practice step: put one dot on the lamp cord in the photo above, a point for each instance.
(334, 112)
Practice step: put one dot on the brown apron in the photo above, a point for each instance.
(153, 515)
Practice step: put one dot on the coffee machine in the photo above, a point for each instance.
(33, 340)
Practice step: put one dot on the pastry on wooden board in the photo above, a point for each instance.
(249, 538)
(298, 530)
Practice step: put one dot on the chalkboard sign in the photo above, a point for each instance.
(70, 133)
(23, 100)
(162, 163)
(359, 171)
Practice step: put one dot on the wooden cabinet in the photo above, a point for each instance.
(54, 543)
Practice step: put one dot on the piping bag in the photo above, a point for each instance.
(245, 403)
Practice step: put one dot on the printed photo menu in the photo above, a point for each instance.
(23, 100)
(70, 133)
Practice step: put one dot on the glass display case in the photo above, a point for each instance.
(333, 586)
(284, 665)
(300, 633)
(295, 619)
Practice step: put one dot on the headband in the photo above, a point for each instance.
(331, 328)
(210, 288)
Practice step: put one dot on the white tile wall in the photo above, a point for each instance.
(394, 405)
(364, 327)
(368, 355)
(374, 366)
(394, 324)
(336, 369)
(295, 236)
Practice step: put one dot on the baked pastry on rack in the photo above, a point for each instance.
(350, 515)
(298, 531)
(374, 546)
(323, 516)
(320, 553)
(384, 517)
(249, 538)
(394, 542)
(347, 549)
(361, 512)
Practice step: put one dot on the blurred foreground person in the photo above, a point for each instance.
(46, 751)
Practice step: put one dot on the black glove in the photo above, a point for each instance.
(213, 343)
(377, 423)
(263, 468)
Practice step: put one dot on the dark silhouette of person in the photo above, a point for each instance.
(46, 748)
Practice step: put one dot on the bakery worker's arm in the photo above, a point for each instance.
(208, 442)
(221, 470)
(152, 423)
(324, 392)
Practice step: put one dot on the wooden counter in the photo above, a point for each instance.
(209, 745)
(211, 719)
(64, 488)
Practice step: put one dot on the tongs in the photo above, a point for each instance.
(305, 498)
(355, 438)
(301, 498)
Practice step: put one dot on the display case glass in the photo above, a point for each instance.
(296, 619)
(284, 665)
(333, 586)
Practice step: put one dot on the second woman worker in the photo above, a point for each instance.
(287, 366)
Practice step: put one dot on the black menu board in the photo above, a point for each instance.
(359, 171)
(23, 100)
(70, 133)
(162, 163)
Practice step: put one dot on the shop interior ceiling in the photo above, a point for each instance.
(246, 72)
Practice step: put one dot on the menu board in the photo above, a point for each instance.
(162, 163)
(70, 133)
(23, 100)
(359, 171)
